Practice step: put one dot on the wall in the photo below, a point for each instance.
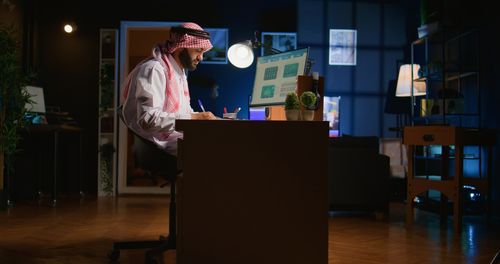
(381, 46)
(67, 65)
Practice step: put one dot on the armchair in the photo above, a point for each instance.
(358, 175)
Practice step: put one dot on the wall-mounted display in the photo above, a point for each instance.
(279, 41)
(342, 50)
(218, 54)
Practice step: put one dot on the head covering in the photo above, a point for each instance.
(185, 40)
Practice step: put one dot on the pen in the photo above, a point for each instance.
(225, 110)
(201, 105)
(236, 110)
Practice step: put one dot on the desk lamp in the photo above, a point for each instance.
(241, 54)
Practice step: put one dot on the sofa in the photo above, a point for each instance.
(358, 175)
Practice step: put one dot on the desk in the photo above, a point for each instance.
(55, 130)
(451, 187)
(252, 192)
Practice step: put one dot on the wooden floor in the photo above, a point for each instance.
(82, 231)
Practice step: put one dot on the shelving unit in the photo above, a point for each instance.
(448, 150)
(450, 70)
(107, 132)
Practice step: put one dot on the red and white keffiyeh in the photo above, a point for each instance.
(160, 54)
(186, 40)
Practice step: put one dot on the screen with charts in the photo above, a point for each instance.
(331, 107)
(276, 76)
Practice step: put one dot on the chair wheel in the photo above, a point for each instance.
(114, 255)
(154, 259)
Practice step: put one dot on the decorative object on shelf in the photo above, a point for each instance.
(292, 107)
(308, 100)
(315, 89)
(106, 167)
(107, 87)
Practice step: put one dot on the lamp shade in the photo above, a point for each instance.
(404, 85)
(241, 54)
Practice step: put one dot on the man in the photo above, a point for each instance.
(156, 91)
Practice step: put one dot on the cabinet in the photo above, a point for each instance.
(107, 136)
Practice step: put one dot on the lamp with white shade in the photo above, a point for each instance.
(405, 83)
(408, 84)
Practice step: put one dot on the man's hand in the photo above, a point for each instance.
(203, 115)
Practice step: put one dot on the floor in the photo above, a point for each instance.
(83, 230)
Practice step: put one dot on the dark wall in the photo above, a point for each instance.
(381, 47)
(67, 65)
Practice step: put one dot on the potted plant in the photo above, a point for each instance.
(292, 107)
(13, 97)
(308, 100)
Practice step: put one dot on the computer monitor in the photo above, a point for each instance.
(256, 113)
(331, 107)
(276, 76)
(37, 104)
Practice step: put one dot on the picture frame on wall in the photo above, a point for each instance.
(342, 50)
(279, 41)
(219, 39)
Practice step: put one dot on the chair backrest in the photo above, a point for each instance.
(148, 156)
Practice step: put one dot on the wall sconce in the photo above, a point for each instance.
(69, 28)
(405, 84)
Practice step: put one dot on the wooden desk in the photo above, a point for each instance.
(451, 187)
(253, 192)
(55, 130)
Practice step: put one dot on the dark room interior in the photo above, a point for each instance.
(377, 211)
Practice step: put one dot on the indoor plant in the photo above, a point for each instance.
(308, 100)
(292, 106)
(13, 97)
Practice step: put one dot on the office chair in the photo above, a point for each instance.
(156, 161)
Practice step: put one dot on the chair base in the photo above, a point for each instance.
(156, 248)
(152, 256)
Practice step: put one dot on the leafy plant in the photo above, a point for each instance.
(13, 97)
(308, 100)
(292, 102)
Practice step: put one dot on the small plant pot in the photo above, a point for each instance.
(307, 115)
(292, 114)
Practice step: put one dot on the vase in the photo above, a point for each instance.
(292, 114)
(308, 115)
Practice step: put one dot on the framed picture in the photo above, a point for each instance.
(342, 49)
(218, 54)
(279, 41)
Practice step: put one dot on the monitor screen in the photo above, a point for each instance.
(37, 104)
(331, 107)
(276, 76)
(256, 113)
